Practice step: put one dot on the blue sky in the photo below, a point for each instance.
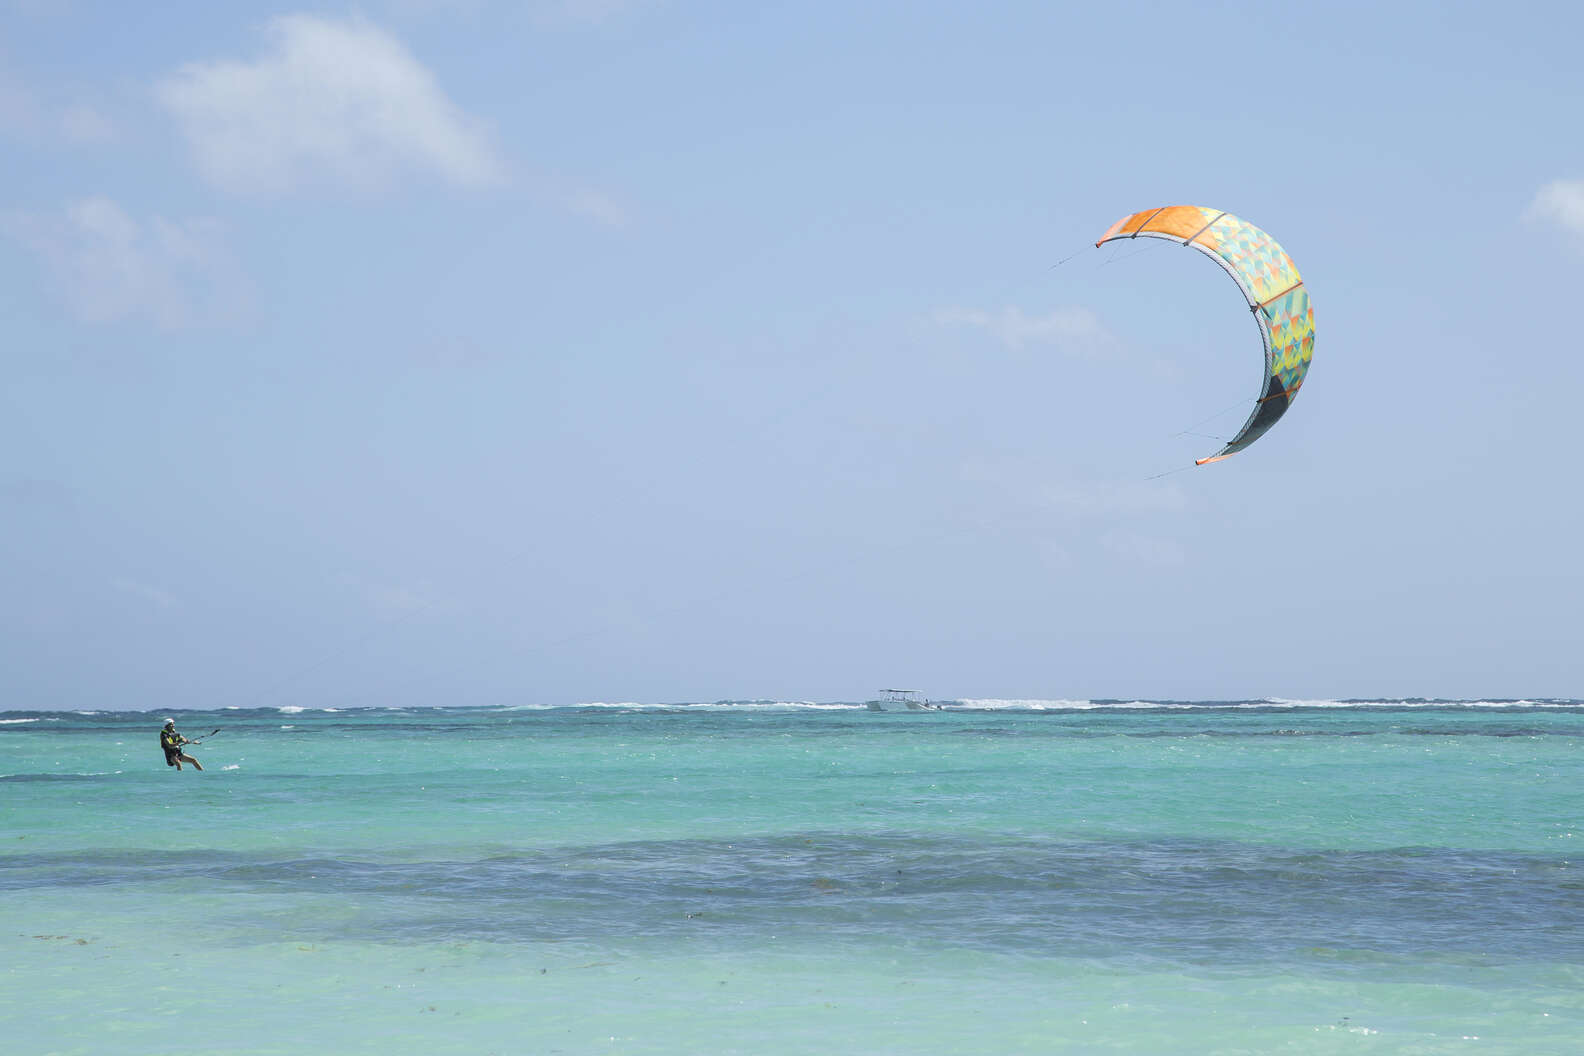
(542, 352)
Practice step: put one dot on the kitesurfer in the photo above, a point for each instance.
(172, 742)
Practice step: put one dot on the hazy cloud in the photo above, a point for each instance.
(1075, 523)
(1071, 329)
(1036, 491)
(108, 266)
(1127, 517)
(545, 12)
(25, 115)
(1144, 548)
(394, 602)
(1560, 203)
(18, 112)
(41, 8)
(331, 100)
(31, 494)
(443, 8)
(587, 10)
(81, 123)
(1112, 499)
(599, 207)
(154, 596)
(454, 352)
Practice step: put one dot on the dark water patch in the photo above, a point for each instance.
(1376, 703)
(1450, 730)
(23, 872)
(1178, 899)
(1166, 729)
(46, 778)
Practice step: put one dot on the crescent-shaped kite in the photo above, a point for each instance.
(1271, 285)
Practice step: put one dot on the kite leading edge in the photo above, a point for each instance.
(1271, 285)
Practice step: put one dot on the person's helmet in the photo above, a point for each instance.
(170, 722)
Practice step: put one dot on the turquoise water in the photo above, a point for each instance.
(1001, 877)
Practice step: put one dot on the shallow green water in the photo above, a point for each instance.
(768, 879)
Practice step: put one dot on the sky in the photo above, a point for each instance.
(556, 351)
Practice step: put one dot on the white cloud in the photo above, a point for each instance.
(110, 267)
(1075, 330)
(1560, 203)
(337, 101)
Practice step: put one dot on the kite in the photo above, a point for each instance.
(1271, 285)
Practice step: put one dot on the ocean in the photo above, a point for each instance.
(760, 877)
